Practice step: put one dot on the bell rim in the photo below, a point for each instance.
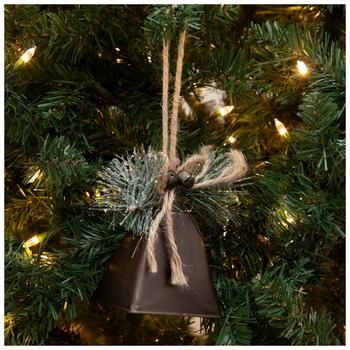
(133, 311)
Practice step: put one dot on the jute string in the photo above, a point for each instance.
(198, 163)
(177, 275)
(165, 95)
(176, 100)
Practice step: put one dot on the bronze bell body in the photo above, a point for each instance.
(129, 285)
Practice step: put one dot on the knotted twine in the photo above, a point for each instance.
(237, 168)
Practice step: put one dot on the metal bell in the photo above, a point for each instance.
(185, 179)
(129, 285)
(172, 180)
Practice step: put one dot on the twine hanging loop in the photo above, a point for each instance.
(236, 168)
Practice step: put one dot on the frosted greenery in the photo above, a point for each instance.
(129, 189)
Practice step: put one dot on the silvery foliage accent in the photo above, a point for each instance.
(128, 188)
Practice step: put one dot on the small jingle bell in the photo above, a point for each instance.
(172, 180)
(185, 179)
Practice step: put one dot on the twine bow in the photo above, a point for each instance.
(198, 163)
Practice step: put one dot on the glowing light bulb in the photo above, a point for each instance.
(31, 242)
(149, 56)
(35, 176)
(281, 128)
(231, 139)
(225, 110)
(28, 54)
(34, 240)
(302, 68)
(289, 218)
(9, 319)
(97, 194)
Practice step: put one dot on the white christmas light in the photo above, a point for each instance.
(149, 56)
(281, 128)
(231, 139)
(289, 218)
(34, 240)
(28, 54)
(31, 242)
(225, 110)
(302, 68)
(9, 320)
(35, 176)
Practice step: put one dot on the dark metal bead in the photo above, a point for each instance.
(172, 180)
(185, 179)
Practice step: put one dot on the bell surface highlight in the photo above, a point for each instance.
(129, 285)
(186, 179)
